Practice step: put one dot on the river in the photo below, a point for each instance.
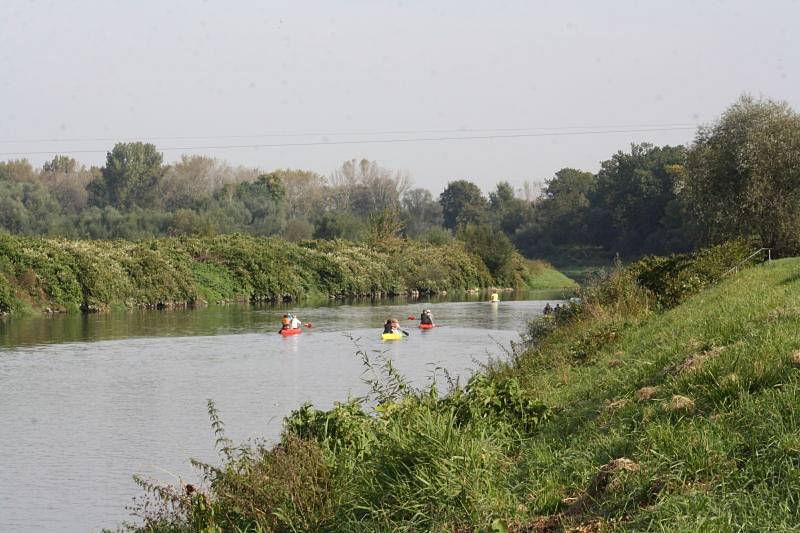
(87, 401)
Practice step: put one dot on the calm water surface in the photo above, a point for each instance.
(86, 401)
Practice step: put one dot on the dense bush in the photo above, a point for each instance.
(673, 279)
(96, 275)
(417, 458)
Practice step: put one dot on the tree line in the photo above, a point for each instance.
(739, 178)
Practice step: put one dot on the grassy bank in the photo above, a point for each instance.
(63, 275)
(627, 413)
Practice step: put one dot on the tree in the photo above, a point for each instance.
(565, 205)
(743, 175)
(633, 195)
(67, 181)
(340, 225)
(19, 170)
(462, 203)
(493, 247)
(28, 208)
(298, 229)
(508, 212)
(60, 164)
(192, 181)
(130, 178)
(306, 192)
(263, 200)
(420, 212)
(364, 187)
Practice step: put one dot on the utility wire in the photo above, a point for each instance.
(339, 133)
(371, 141)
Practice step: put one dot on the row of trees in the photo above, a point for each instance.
(740, 177)
(136, 195)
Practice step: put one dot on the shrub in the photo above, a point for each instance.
(6, 296)
(675, 278)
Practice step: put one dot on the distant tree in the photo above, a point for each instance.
(384, 226)
(420, 212)
(67, 182)
(19, 170)
(306, 193)
(508, 212)
(190, 183)
(462, 203)
(564, 207)
(365, 187)
(131, 177)
(298, 229)
(340, 225)
(189, 222)
(743, 174)
(60, 164)
(28, 208)
(633, 195)
(491, 245)
(263, 200)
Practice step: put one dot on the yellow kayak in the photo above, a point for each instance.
(391, 336)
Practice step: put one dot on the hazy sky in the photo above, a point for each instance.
(218, 73)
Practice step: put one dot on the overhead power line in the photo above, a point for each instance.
(341, 133)
(371, 141)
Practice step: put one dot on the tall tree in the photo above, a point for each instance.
(508, 212)
(633, 195)
(462, 203)
(19, 170)
(743, 174)
(365, 187)
(420, 212)
(564, 207)
(263, 198)
(131, 177)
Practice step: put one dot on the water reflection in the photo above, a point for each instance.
(215, 320)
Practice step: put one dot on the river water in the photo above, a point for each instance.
(87, 401)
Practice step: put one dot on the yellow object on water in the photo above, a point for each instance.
(391, 336)
(495, 297)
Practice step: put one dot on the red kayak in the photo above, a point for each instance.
(427, 326)
(291, 331)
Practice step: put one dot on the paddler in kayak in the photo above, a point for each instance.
(290, 321)
(426, 318)
(392, 325)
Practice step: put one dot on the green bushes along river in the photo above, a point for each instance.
(92, 275)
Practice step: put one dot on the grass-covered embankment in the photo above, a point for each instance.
(625, 415)
(64, 275)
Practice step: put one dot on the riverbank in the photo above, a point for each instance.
(57, 275)
(656, 404)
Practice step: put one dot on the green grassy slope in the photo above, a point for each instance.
(703, 400)
(545, 276)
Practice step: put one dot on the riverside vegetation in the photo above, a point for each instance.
(64, 275)
(663, 401)
(738, 177)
